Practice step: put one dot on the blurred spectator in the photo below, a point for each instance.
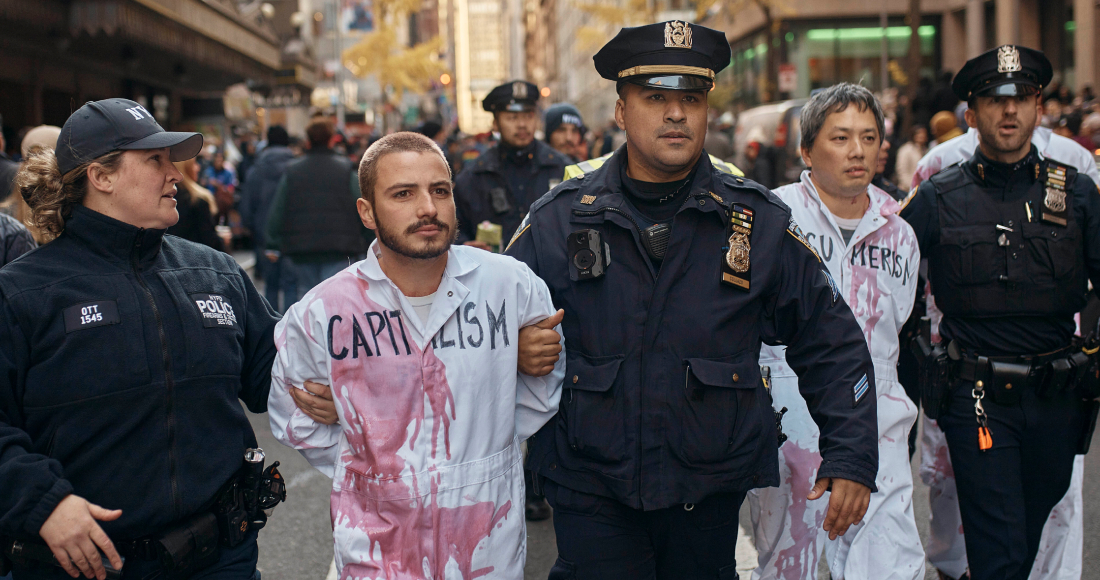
(922, 102)
(34, 140)
(944, 127)
(909, 155)
(432, 130)
(943, 98)
(8, 167)
(221, 180)
(257, 195)
(1052, 113)
(879, 180)
(15, 240)
(1065, 96)
(197, 209)
(565, 131)
(1086, 94)
(248, 156)
(718, 141)
(1074, 126)
(761, 159)
(313, 219)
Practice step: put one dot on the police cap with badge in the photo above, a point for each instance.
(1005, 71)
(515, 96)
(666, 55)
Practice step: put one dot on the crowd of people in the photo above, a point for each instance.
(662, 340)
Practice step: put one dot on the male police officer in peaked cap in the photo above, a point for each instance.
(671, 272)
(505, 180)
(1012, 240)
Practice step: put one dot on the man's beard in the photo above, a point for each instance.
(994, 141)
(427, 250)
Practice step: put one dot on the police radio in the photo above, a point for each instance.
(589, 256)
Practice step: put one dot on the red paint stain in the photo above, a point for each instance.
(383, 397)
(800, 560)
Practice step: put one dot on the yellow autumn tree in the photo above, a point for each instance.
(380, 54)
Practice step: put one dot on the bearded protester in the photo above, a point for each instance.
(420, 343)
(872, 255)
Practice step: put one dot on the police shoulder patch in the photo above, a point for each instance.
(796, 232)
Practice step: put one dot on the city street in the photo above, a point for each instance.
(297, 543)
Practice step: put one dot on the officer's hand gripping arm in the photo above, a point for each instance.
(537, 397)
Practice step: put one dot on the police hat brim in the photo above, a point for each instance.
(672, 82)
(1008, 88)
(510, 108)
(181, 146)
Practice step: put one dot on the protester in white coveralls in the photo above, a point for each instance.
(872, 255)
(420, 344)
(1060, 550)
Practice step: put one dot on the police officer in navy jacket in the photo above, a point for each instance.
(671, 273)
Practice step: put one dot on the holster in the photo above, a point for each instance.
(190, 547)
(934, 378)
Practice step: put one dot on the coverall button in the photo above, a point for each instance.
(736, 377)
(575, 379)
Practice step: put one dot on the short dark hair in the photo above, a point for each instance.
(835, 99)
(277, 135)
(319, 133)
(393, 143)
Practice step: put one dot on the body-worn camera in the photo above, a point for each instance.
(589, 256)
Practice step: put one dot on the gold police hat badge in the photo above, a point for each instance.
(1008, 59)
(677, 34)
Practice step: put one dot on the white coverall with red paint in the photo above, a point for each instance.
(426, 467)
(1060, 547)
(876, 274)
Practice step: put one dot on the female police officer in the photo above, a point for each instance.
(122, 355)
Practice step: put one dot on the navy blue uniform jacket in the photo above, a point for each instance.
(124, 355)
(663, 401)
(502, 192)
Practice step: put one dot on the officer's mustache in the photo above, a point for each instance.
(428, 222)
(681, 129)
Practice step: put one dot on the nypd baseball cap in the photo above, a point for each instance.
(100, 127)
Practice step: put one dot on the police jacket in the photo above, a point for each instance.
(501, 191)
(123, 353)
(663, 401)
(15, 240)
(1011, 249)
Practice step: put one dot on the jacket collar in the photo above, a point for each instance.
(115, 240)
(991, 173)
(448, 297)
(881, 206)
(603, 189)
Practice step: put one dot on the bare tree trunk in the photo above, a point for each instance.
(771, 63)
(913, 68)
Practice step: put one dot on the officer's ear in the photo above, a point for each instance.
(620, 112)
(366, 213)
(495, 126)
(971, 115)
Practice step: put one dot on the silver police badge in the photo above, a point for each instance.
(738, 256)
(519, 90)
(677, 34)
(1008, 59)
(1055, 199)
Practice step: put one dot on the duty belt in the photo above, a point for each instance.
(1047, 374)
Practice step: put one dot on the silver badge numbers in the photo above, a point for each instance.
(677, 34)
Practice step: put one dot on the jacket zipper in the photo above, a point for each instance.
(134, 257)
